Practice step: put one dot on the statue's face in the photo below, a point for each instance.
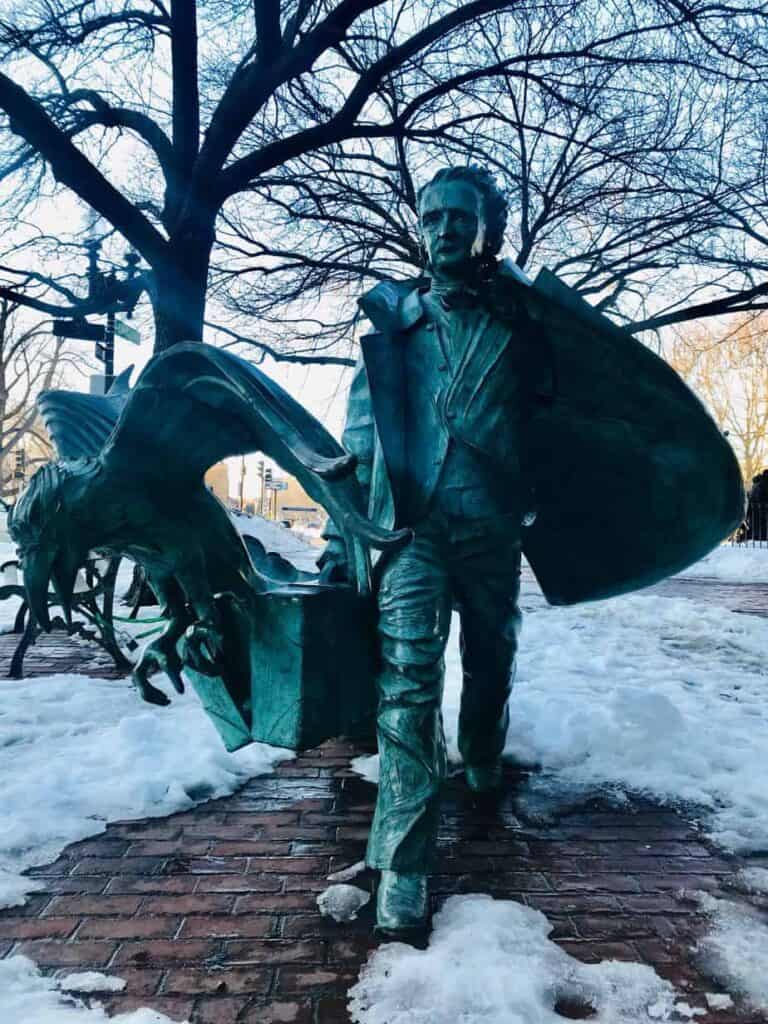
(453, 228)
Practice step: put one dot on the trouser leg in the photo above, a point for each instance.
(414, 619)
(488, 597)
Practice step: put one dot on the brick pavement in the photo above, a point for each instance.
(57, 652)
(211, 915)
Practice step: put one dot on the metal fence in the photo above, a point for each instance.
(753, 532)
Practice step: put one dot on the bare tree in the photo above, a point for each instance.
(31, 360)
(627, 179)
(728, 368)
(158, 116)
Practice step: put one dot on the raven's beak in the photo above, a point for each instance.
(37, 567)
(63, 577)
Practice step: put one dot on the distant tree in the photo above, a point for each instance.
(728, 368)
(31, 360)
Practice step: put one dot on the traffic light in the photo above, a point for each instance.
(20, 468)
(268, 477)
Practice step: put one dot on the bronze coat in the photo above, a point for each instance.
(630, 478)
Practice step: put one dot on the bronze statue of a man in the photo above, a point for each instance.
(434, 419)
(482, 402)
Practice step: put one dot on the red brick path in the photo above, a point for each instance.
(210, 915)
(57, 652)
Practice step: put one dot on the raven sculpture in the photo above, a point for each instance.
(129, 481)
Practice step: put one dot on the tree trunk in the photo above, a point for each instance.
(179, 293)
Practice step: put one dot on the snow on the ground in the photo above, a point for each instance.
(491, 962)
(733, 563)
(342, 902)
(29, 998)
(640, 694)
(10, 606)
(645, 694)
(367, 766)
(279, 539)
(735, 949)
(754, 880)
(91, 981)
(718, 1000)
(76, 753)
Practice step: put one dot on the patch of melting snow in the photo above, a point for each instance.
(367, 767)
(342, 902)
(754, 880)
(735, 950)
(718, 1000)
(688, 1012)
(26, 997)
(90, 981)
(492, 962)
(107, 756)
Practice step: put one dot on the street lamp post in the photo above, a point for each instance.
(105, 287)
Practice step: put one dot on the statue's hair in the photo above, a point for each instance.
(495, 202)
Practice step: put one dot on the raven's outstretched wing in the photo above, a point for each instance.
(195, 405)
(78, 424)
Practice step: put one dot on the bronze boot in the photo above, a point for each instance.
(401, 903)
(484, 778)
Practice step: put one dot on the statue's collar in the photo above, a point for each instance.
(394, 305)
(412, 308)
(398, 305)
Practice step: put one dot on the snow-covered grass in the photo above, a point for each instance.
(76, 753)
(641, 694)
(29, 998)
(733, 563)
(492, 962)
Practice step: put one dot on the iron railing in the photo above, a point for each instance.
(753, 531)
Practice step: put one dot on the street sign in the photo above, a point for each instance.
(78, 329)
(129, 333)
(276, 485)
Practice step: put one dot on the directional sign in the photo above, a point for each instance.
(78, 329)
(129, 333)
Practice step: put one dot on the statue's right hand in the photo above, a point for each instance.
(332, 563)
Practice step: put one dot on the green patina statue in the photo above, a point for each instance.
(130, 482)
(488, 416)
(492, 416)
